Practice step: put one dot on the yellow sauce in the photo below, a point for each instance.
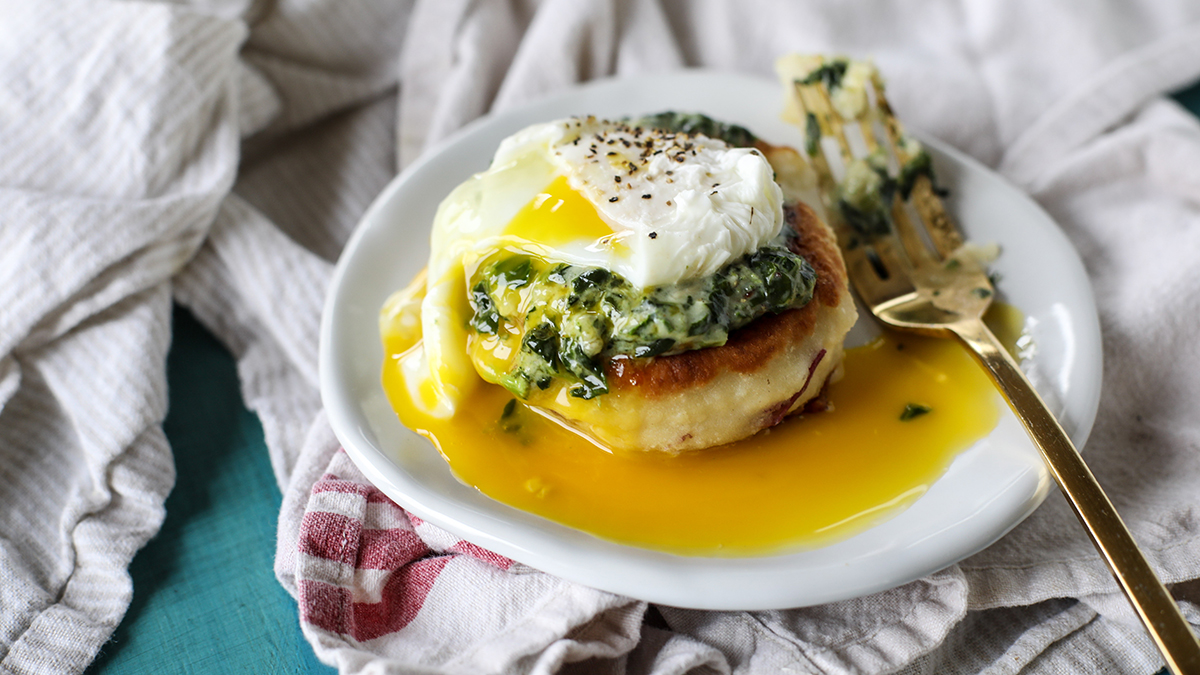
(809, 481)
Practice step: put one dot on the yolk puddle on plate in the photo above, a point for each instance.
(807, 482)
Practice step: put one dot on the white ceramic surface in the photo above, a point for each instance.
(987, 490)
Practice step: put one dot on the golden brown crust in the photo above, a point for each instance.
(752, 347)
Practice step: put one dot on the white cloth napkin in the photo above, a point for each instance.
(250, 136)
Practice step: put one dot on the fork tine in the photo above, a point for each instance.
(873, 287)
(890, 251)
(918, 251)
(941, 229)
(816, 102)
(825, 177)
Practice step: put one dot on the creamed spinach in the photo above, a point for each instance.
(563, 321)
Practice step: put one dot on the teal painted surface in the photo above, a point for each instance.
(205, 598)
(1190, 98)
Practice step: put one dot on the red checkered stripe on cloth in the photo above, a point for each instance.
(365, 565)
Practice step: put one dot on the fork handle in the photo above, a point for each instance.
(1151, 600)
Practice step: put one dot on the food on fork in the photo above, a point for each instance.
(659, 284)
(865, 184)
(876, 180)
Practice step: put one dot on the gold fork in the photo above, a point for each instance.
(926, 281)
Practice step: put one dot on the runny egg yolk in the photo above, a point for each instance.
(812, 480)
(560, 215)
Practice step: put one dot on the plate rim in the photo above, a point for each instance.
(666, 577)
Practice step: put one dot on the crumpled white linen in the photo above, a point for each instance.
(120, 160)
(118, 142)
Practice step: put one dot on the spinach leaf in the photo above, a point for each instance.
(831, 73)
(486, 319)
(695, 123)
(913, 411)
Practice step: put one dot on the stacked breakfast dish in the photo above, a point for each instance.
(621, 319)
(657, 284)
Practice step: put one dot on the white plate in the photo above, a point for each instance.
(987, 490)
